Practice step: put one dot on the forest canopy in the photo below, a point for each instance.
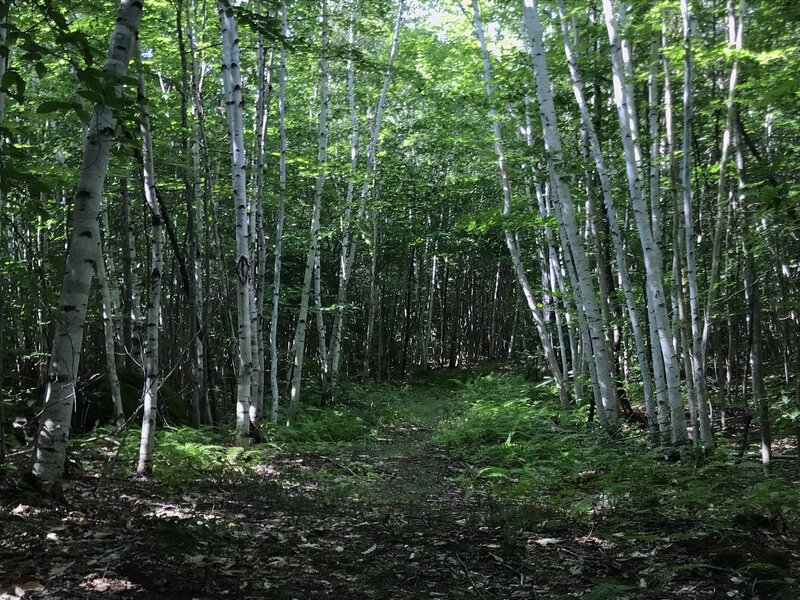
(236, 216)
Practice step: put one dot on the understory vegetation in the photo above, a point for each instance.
(558, 468)
(477, 475)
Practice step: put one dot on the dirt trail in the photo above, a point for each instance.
(386, 520)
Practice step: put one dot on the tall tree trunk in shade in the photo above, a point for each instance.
(349, 239)
(611, 214)
(345, 264)
(697, 354)
(3, 64)
(276, 281)
(511, 243)
(4, 8)
(234, 109)
(48, 465)
(131, 309)
(735, 43)
(313, 247)
(319, 185)
(651, 253)
(193, 205)
(109, 336)
(261, 124)
(564, 205)
(151, 353)
(201, 169)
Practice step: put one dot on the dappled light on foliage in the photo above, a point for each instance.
(452, 488)
(480, 299)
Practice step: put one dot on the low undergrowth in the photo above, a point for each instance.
(364, 415)
(549, 468)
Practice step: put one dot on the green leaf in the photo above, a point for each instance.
(50, 106)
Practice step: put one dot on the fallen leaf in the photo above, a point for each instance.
(59, 570)
(546, 541)
(371, 549)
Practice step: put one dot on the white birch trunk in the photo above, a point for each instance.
(511, 243)
(196, 239)
(151, 353)
(426, 337)
(651, 252)
(313, 248)
(48, 465)
(345, 264)
(234, 107)
(257, 316)
(349, 240)
(318, 189)
(613, 223)
(563, 204)
(276, 274)
(697, 354)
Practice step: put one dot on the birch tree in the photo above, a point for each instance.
(697, 353)
(51, 441)
(313, 246)
(234, 109)
(611, 213)
(563, 204)
(276, 276)
(349, 239)
(511, 243)
(650, 251)
(151, 354)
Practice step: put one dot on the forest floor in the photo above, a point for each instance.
(394, 516)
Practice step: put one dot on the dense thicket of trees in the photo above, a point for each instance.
(639, 247)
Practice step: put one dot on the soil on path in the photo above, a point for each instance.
(386, 520)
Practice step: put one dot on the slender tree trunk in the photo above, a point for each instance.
(234, 107)
(152, 372)
(4, 55)
(349, 240)
(373, 296)
(616, 234)
(651, 252)
(511, 243)
(313, 248)
(697, 353)
(192, 190)
(109, 310)
(276, 275)
(48, 465)
(735, 42)
(345, 264)
(426, 337)
(259, 233)
(3, 65)
(318, 189)
(563, 204)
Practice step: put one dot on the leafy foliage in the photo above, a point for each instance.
(521, 449)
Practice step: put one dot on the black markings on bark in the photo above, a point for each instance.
(242, 270)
